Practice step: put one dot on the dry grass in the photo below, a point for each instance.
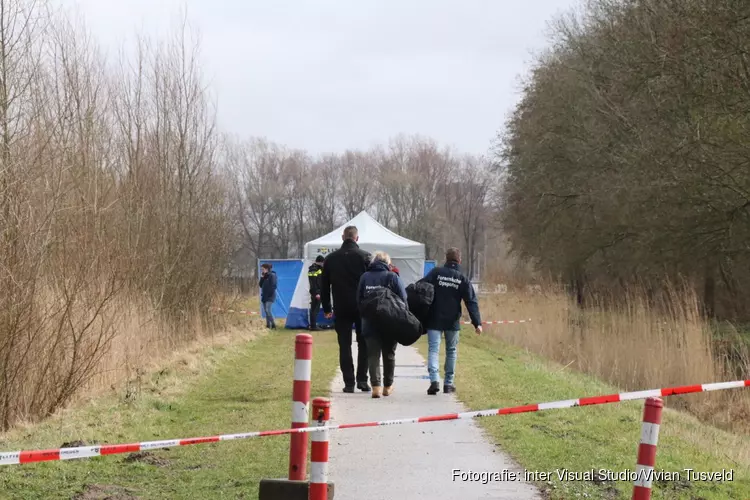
(634, 346)
(145, 343)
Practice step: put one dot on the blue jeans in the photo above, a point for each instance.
(451, 352)
(270, 323)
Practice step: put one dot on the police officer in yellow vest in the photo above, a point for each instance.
(314, 274)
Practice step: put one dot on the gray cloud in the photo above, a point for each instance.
(332, 75)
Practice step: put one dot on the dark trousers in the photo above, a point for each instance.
(376, 345)
(343, 328)
(314, 309)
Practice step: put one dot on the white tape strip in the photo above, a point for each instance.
(650, 433)
(10, 458)
(628, 396)
(319, 472)
(83, 452)
(644, 476)
(300, 412)
(151, 445)
(559, 404)
(723, 385)
(320, 437)
(302, 369)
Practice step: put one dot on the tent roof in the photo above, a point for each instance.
(371, 233)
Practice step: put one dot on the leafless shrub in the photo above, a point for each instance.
(109, 195)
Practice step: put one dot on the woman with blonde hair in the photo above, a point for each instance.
(379, 275)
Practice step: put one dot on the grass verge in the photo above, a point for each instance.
(492, 374)
(237, 388)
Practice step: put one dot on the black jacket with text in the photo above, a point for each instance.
(451, 287)
(342, 270)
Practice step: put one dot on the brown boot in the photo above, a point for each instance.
(376, 392)
(387, 391)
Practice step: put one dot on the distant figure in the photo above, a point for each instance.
(342, 270)
(315, 275)
(380, 275)
(268, 284)
(451, 287)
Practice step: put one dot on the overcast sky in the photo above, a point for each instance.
(330, 75)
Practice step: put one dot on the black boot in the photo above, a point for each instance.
(434, 388)
(349, 389)
(363, 386)
(449, 388)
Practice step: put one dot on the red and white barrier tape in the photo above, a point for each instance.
(23, 457)
(250, 313)
(502, 322)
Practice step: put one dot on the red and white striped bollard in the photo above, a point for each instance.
(300, 406)
(319, 452)
(647, 448)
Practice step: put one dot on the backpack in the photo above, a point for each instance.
(420, 296)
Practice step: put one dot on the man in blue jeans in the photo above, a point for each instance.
(268, 284)
(451, 287)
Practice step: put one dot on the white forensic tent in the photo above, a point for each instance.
(407, 255)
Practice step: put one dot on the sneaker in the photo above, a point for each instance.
(449, 388)
(363, 386)
(434, 388)
(349, 388)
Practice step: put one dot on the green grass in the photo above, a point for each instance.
(491, 374)
(238, 388)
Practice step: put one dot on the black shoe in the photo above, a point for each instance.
(362, 386)
(434, 388)
(349, 389)
(449, 388)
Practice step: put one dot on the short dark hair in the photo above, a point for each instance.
(319, 258)
(267, 266)
(453, 254)
(350, 232)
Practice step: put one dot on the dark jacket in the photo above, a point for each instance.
(451, 287)
(342, 270)
(378, 276)
(315, 276)
(268, 284)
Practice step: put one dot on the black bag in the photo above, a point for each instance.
(420, 296)
(390, 316)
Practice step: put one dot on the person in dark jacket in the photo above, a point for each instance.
(379, 275)
(314, 275)
(342, 270)
(451, 287)
(268, 284)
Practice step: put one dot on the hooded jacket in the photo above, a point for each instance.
(342, 270)
(315, 276)
(268, 283)
(451, 287)
(379, 276)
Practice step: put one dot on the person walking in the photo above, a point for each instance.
(268, 283)
(451, 287)
(379, 275)
(314, 275)
(342, 270)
